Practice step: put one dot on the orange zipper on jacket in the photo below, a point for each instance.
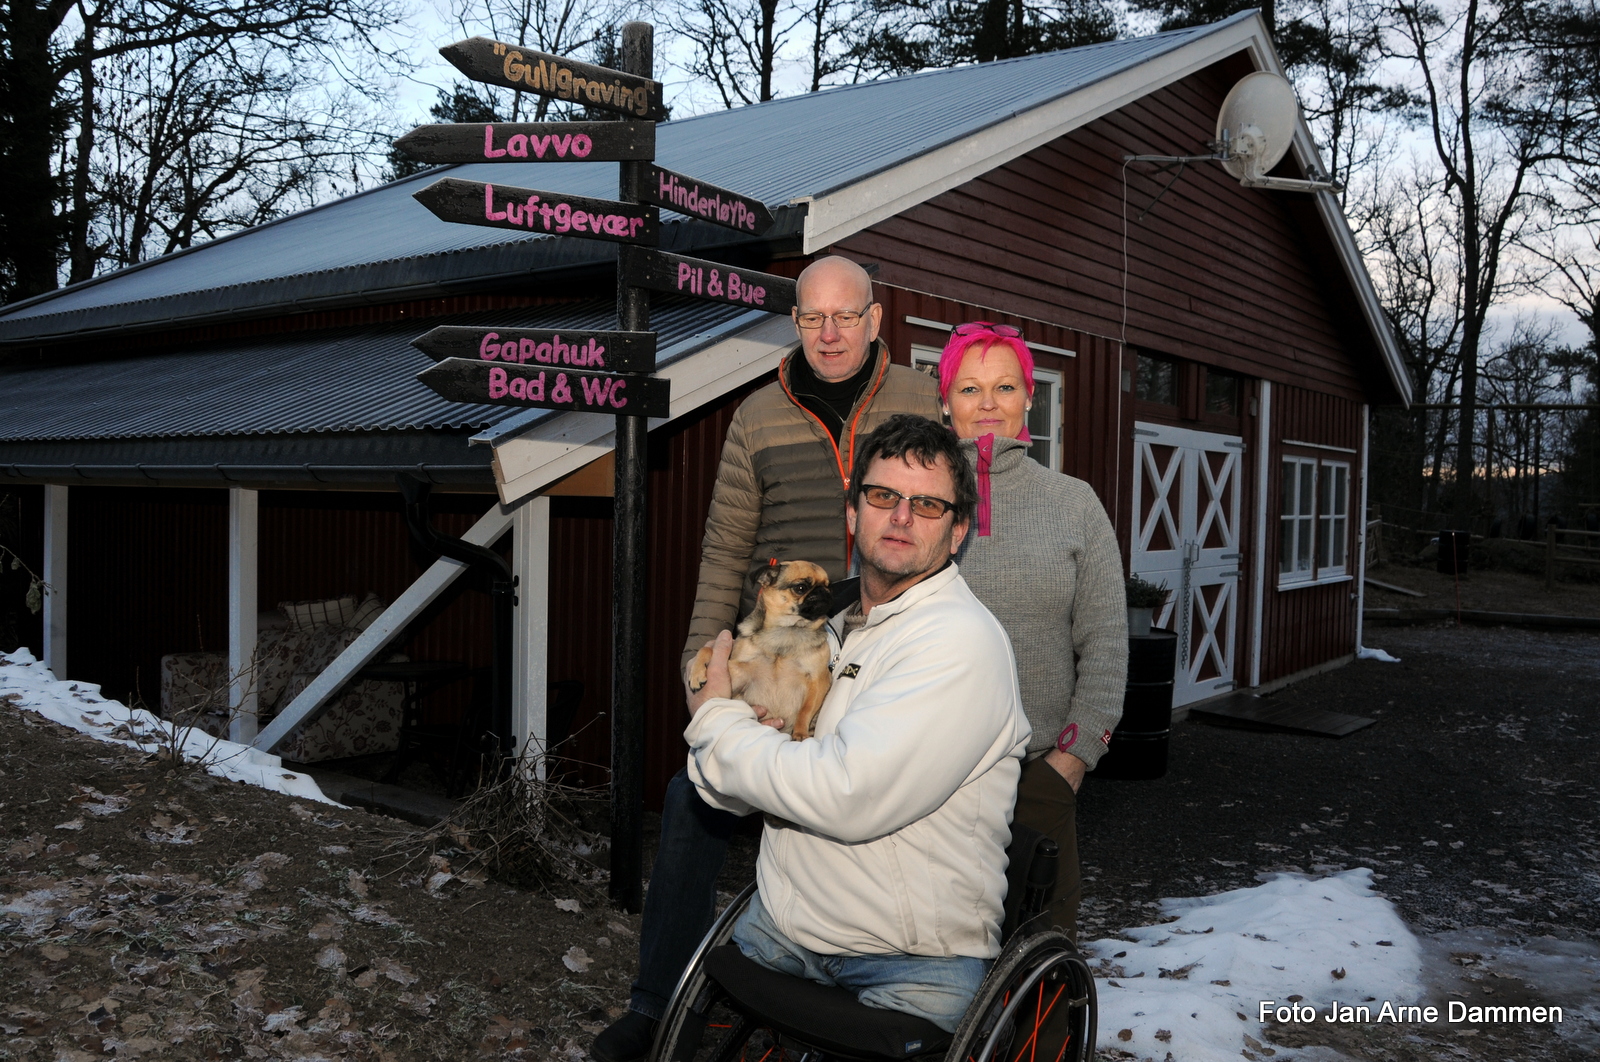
(838, 458)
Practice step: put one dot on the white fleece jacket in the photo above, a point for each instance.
(886, 831)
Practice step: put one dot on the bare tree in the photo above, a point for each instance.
(582, 29)
(51, 111)
(1495, 125)
(740, 47)
(206, 136)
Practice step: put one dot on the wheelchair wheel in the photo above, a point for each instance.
(1036, 1005)
(698, 1025)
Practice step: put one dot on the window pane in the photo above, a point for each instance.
(1324, 530)
(1157, 381)
(1337, 551)
(1308, 481)
(1290, 490)
(1286, 547)
(1303, 551)
(1341, 495)
(1222, 393)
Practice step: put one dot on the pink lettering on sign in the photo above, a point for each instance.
(589, 354)
(695, 281)
(603, 393)
(518, 144)
(691, 200)
(559, 217)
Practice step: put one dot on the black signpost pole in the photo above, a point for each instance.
(629, 541)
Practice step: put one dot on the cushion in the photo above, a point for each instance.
(333, 612)
(271, 620)
(371, 608)
(824, 1016)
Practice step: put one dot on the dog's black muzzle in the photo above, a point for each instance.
(818, 604)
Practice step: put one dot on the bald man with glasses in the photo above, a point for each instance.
(780, 492)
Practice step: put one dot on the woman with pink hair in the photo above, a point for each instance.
(1043, 557)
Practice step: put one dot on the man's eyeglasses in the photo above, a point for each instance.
(841, 320)
(975, 327)
(923, 505)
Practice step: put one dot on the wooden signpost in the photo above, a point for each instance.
(497, 63)
(464, 380)
(531, 142)
(702, 279)
(707, 202)
(610, 351)
(589, 371)
(503, 206)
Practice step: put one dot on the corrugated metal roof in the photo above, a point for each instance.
(778, 151)
(338, 380)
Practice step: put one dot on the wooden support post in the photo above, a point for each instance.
(630, 542)
(530, 682)
(1550, 558)
(55, 578)
(244, 507)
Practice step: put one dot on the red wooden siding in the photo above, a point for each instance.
(149, 575)
(1309, 625)
(1217, 273)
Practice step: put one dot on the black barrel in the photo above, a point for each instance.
(1453, 547)
(1139, 744)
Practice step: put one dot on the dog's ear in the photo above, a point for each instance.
(768, 576)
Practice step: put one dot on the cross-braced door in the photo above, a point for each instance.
(1186, 491)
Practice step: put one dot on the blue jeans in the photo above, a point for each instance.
(681, 902)
(932, 987)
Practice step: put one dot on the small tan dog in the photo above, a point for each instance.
(780, 659)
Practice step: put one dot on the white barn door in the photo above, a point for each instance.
(1186, 489)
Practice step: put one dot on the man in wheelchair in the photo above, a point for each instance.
(882, 863)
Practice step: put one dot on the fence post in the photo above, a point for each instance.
(1549, 557)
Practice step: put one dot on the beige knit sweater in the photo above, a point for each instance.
(1050, 571)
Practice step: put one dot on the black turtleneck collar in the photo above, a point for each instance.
(830, 401)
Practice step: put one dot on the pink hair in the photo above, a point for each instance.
(956, 350)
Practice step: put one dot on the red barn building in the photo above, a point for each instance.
(222, 426)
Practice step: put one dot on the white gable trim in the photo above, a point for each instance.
(844, 212)
(561, 445)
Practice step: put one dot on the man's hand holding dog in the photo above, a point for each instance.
(718, 684)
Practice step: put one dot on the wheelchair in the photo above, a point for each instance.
(727, 1008)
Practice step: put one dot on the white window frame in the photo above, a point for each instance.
(1316, 523)
(1049, 381)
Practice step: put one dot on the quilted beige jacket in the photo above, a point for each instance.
(780, 488)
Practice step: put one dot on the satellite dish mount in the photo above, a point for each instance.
(1255, 129)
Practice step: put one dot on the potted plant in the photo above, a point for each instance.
(1144, 598)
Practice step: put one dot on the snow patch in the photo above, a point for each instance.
(1194, 978)
(27, 683)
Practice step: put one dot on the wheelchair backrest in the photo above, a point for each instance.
(1030, 875)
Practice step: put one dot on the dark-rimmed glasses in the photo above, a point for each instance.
(923, 505)
(975, 327)
(841, 320)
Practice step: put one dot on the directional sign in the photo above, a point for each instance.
(497, 63)
(504, 207)
(531, 142)
(698, 199)
(464, 380)
(612, 351)
(701, 279)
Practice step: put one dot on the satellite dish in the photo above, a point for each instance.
(1255, 130)
(1256, 124)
